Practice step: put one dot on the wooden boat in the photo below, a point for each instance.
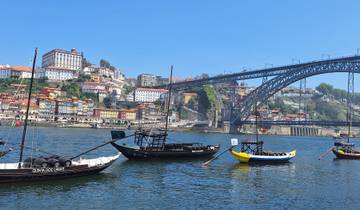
(252, 151)
(152, 144)
(149, 144)
(250, 155)
(345, 150)
(50, 167)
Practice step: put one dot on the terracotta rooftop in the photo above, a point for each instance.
(17, 68)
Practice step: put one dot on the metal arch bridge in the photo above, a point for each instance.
(261, 94)
(261, 73)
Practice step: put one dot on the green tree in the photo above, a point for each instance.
(128, 89)
(83, 78)
(72, 90)
(325, 89)
(85, 63)
(107, 102)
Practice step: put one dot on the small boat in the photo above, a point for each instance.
(149, 144)
(248, 155)
(252, 151)
(345, 150)
(49, 167)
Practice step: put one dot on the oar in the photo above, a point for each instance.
(325, 153)
(217, 156)
(4, 153)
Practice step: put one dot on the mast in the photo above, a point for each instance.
(168, 102)
(350, 95)
(256, 124)
(27, 110)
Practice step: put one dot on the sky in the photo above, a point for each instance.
(202, 36)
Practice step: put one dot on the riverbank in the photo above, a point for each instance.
(274, 130)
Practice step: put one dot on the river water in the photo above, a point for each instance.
(305, 183)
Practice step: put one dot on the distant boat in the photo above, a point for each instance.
(252, 151)
(48, 167)
(343, 149)
(151, 143)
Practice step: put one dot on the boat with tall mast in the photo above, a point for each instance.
(152, 143)
(252, 151)
(345, 149)
(50, 167)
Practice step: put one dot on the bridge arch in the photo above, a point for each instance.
(262, 93)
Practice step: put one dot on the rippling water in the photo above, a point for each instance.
(305, 183)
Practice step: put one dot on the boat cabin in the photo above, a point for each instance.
(345, 146)
(150, 138)
(252, 147)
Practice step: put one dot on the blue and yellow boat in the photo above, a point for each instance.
(249, 155)
(252, 151)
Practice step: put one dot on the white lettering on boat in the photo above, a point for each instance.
(47, 170)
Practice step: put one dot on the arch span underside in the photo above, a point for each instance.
(242, 110)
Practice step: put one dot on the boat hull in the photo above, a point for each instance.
(45, 174)
(134, 153)
(244, 157)
(340, 154)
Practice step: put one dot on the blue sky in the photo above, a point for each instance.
(201, 36)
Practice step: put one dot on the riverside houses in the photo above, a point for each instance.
(94, 87)
(106, 113)
(14, 72)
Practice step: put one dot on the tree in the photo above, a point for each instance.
(83, 78)
(128, 89)
(72, 90)
(325, 89)
(107, 102)
(92, 96)
(104, 63)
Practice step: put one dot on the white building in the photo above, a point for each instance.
(92, 87)
(106, 72)
(148, 94)
(62, 58)
(89, 69)
(7, 71)
(56, 73)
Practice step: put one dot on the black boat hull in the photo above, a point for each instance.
(132, 153)
(346, 155)
(26, 175)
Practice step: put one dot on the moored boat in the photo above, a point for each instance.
(252, 151)
(50, 167)
(44, 170)
(248, 154)
(149, 145)
(345, 150)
